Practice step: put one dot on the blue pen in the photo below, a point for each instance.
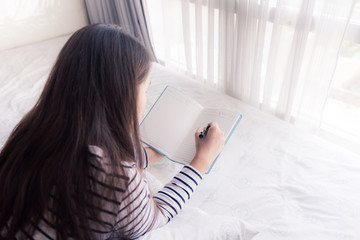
(204, 132)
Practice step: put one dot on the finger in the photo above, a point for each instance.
(213, 124)
(199, 129)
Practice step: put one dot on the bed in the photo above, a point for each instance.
(272, 180)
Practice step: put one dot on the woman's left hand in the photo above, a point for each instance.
(153, 156)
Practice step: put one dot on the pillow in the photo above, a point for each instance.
(193, 223)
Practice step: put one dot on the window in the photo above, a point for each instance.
(341, 115)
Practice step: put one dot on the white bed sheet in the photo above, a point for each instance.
(286, 183)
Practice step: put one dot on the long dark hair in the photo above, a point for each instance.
(89, 99)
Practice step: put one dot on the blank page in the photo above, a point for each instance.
(168, 121)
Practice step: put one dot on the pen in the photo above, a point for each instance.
(204, 132)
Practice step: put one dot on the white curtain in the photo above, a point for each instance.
(129, 14)
(278, 55)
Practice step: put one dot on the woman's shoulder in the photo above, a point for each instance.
(107, 174)
(93, 149)
(106, 164)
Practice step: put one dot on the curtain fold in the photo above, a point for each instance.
(129, 14)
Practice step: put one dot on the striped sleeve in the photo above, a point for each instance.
(139, 212)
(146, 160)
(172, 198)
(145, 163)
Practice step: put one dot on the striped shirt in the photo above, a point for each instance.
(133, 211)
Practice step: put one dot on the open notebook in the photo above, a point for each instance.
(172, 121)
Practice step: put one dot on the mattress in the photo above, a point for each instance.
(272, 180)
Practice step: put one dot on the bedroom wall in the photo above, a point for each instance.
(24, 22)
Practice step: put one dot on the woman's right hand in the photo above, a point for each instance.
(207, 148)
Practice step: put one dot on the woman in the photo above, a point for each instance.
(71, 169)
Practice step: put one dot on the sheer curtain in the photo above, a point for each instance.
(277, 55)
(129, 14)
